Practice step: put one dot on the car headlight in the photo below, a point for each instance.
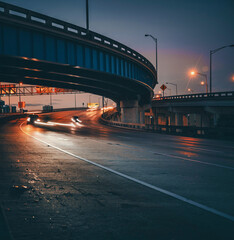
(28, 119)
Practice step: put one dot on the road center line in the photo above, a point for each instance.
(171, 194)
(184, 158)
(204, 149)
(193, 160)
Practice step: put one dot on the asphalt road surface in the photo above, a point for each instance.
(96, 182)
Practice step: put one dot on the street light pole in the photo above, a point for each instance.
(212, 52)
(210, 71)
(169, 90)
(174, 85)
(156, 51)
(87, 15)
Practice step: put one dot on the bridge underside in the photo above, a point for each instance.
(43, 73)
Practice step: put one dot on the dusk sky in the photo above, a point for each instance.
(186, 32)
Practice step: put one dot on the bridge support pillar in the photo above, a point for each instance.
(132, 112)
(216, 119)
(179, 119)
(172, 119)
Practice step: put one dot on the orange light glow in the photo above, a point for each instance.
(202, 83)
(31, 69)
(107, 108)
(192, 73)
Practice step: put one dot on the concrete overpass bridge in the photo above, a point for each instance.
(202, 113)
(39, 50)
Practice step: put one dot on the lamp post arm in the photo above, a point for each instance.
(217, 49)
(201, 74)
(156, 50)
(212, 52)
(174, 84)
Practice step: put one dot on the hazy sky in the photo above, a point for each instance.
(186, 31)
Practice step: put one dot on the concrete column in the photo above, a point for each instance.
(198, 120)
(156, 119)
(216, 119)
(179, 119)
(118, 106)
(206, 120)
(131, 112)
(172, 119)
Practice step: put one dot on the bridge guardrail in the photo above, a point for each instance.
(197, 96)
(41, 19)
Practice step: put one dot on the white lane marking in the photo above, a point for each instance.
(203, 149)
(193, 160)
(63, 139)
(184, 158)
(171, 194)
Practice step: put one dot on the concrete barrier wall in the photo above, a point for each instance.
(137, 126)
(10, 116)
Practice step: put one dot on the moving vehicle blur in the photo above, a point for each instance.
(32, 118)
(76, 119)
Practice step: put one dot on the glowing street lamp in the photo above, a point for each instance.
(190, 90)
(193, 73)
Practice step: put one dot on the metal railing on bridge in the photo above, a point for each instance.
(62, 26)
(13, 90)
(197, 96)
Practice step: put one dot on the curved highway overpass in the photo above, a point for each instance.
(40, 50)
